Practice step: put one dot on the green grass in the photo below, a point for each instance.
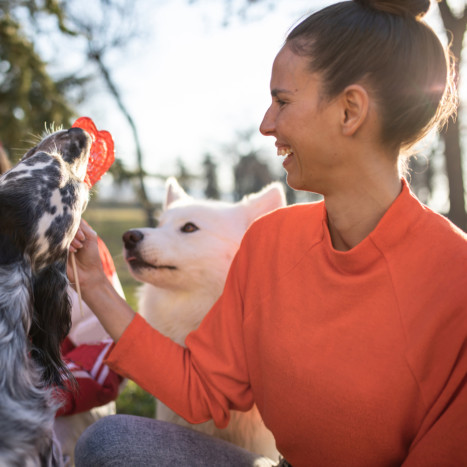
(134, 400)
(110, 222)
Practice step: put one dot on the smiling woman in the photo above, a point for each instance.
(330, 321)
(301, 124)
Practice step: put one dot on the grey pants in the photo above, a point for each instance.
(127, 440)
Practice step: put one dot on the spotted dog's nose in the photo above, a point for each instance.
(131, 238)
(75, 131)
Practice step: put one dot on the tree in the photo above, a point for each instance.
(113, 29)
(456, 27)
(210, 174)
(250, 174)
(29, 96)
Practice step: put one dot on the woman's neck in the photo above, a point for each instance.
(354, 213)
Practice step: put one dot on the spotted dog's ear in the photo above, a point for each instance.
(9, 252)
(52, 321)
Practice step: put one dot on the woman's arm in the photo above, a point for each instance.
(111, 309)
(204, 380)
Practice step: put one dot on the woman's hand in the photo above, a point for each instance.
(79, 239)
(100, 295)
(86, 255)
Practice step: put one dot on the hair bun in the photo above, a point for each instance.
(415, 8)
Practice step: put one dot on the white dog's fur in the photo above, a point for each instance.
(196, 242)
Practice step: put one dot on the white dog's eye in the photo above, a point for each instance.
(189, 227)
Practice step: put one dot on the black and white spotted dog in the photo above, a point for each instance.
(41, 201)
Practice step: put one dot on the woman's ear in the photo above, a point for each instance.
(355, 104)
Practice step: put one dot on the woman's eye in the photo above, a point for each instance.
(189, 227)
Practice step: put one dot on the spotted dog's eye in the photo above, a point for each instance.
(189, 227)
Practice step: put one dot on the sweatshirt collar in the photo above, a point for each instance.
(390, 230)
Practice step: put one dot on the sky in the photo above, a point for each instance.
(191, 83)
(191, 91)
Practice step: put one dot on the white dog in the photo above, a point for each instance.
(196, 242)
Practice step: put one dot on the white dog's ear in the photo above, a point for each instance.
(173, 192)
(269, 198)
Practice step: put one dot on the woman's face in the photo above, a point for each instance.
(304, 123)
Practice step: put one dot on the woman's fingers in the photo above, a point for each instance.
(86, 228)
(76, 245)
(84, 263)
(80, 237)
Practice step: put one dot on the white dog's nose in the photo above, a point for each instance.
(131, 238)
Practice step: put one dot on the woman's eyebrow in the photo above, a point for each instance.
(276, 91)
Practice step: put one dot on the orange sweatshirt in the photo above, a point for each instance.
(354, 358)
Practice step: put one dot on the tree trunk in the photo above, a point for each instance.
(147, 205)
(453, 161)
(456, 27)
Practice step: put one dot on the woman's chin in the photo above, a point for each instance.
(298, 184)
(293, 182)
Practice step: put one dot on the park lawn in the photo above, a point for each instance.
(110, 222)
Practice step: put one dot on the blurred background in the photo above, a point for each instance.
(182, 86)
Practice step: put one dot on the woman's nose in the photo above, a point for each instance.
(267, 125)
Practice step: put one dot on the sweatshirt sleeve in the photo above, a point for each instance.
(445, 443)
(202, 381)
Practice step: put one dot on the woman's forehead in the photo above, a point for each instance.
(290, 72)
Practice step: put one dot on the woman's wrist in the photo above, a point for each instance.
(109, 307)
(95, 285)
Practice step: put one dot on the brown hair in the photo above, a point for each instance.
(384, 45)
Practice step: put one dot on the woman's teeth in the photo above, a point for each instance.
(284, 151)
